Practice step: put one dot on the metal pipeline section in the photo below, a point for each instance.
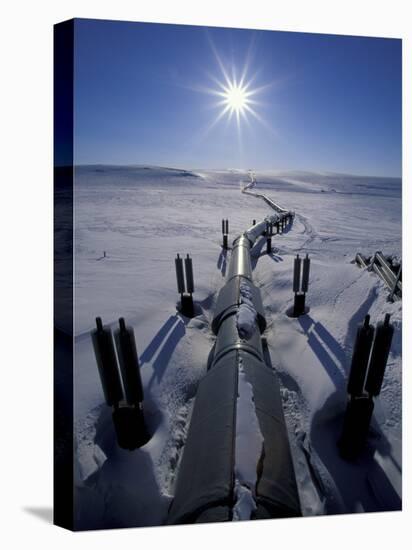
(268, 201)
(387, 274)
(206, 488)
(381, 267)
(274, 205)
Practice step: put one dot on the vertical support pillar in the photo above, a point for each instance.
(107, 363)
(185, 284)
(188, 306)
(225, 244)
(296, 274)
(305, 274)
(369, 365)
(189, 274)
(225, 233)
(379, 356)
(129, 363)
(179, 276)
(360, 358)
(300, 286)
(355, 426)
(128, 419)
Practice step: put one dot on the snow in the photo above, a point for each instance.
(245, 503)
(246, 315)
(141, 217)
(248, 449)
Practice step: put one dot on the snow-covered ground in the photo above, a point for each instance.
(129, 224)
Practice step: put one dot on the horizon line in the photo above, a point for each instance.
(279, 170)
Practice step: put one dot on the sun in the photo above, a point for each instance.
(236, 98)
(239, 97)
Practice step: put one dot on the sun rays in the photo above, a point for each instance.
(239, 99)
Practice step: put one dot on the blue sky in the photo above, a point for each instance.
(324, 103)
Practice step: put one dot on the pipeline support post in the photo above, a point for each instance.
(185, 284)
(300, 286)
(369, 361)
(360, 358)
(225, 233)
(379, 356)
(180, 276)
(356, 423)
(127, 415)
(269, 234)
(105, 354)
(129, 364)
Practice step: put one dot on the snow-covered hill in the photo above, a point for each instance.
(129, 224)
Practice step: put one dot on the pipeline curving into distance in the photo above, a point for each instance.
(227, 472)
(246, 190)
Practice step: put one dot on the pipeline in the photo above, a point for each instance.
(268, 201)
(211, 480)
(381, 267)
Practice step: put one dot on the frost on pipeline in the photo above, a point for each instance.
(248, 450)
(246, 315)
